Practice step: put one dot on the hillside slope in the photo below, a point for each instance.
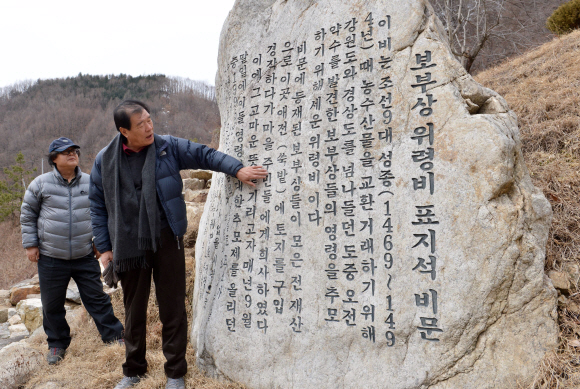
(81, 108)
(543, 88)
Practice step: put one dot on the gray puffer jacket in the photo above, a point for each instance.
(55, 216)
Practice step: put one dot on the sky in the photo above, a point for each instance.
(62, 38)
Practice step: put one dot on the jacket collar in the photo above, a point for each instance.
(160, 144)
(59, 177)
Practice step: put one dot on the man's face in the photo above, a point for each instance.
(67, 158)
(141, 133)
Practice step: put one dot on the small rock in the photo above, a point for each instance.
(208, 184)
(5, 342)
(38, 332)
(4, 330)
(3, 314)
(35, 280)
(562, 301)
(49, 385)
(30, 310)
(76, 317)
(14, 320)
(559, 279)
(72, 292)
(196, 196)
(70, 305)
(574, 343)
(573, 271)
(23, 283)
(573, 307)
(12, 312)
(17, 362)
(18, 330)
(189, 195)
(201, 174)
(20, 293)
(193, 184)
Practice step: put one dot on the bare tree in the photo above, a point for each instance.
(498, 28)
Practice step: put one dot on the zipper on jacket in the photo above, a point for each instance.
(177, 239)
(70, 222)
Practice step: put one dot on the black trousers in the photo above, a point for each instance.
(54, 275)
(167, 266)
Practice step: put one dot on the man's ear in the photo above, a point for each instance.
(123, 131)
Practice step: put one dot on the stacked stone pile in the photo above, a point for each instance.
(195, 189)
(21, 309)
(21, 322)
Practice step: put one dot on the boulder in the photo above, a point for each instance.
(30, 310)
(18, 361)
(398, 241)
(193, 184)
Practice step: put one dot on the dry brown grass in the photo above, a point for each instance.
(543, 88)
(90, 364)
(14, 265)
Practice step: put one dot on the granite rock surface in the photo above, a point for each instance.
(398, 237)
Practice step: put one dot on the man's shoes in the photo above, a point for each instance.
(55, 355)
(175, 383)
(128, 382)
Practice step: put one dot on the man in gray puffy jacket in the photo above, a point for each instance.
(57, 233)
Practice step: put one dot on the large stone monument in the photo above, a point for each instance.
(398, 241)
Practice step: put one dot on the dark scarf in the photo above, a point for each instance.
(130, 236)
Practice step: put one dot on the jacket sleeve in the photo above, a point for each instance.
(195, 156)
(99, 215)
(29, 212)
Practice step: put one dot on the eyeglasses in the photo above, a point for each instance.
(70, 152)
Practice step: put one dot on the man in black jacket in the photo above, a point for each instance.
(139, 219)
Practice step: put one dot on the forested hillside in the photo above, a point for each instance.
(81, 108)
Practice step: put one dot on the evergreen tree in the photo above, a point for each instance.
(13, 187)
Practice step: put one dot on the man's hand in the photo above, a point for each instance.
(249, 173)
(106, 257)
(33, 254)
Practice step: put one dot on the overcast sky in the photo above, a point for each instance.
(62, 38)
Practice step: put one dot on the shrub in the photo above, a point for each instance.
(565, 18)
